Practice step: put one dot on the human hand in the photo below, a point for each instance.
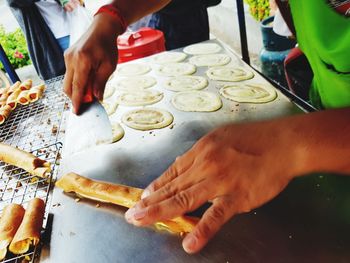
(237, 168)
(71, 5)
(91, 60)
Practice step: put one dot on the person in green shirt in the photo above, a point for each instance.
(237, 167)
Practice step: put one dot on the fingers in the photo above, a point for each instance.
(180, 203)
(80, 83)
(213, 219)
(100, 78)
(181, 165)
(67, 82)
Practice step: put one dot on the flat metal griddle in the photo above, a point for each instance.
(308, 222)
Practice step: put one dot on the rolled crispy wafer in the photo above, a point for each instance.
(26, 85)
(5, 112)
(14, 87)
(24, 160)
(23, 97)
(119, 195)
(36, 92)
(29, 231)
(12, 99)
(3, 91)
(10, 221)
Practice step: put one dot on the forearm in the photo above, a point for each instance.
(133, 10)
(322, 140)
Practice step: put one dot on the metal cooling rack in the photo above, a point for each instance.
(37, 128)
(38, 124)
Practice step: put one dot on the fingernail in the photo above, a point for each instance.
(135, 214)
(145, 193)
(189, 243)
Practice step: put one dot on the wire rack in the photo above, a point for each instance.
(37, 128)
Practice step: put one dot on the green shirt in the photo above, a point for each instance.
(324, 36)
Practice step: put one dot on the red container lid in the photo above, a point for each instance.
(145, 42)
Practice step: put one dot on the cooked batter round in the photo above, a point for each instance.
(135, 83)
(110, 107)
(229, 74)
(109, 91)
(199, 101)
(202, 49)
(176, 69)
(117, 132)
(147, 119)
(133, 69)
(211, 60)
(250, 93)
(168, 57)
(139, 98)
(186, 83)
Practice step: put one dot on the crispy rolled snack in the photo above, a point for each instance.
(24, 160)
(12, 99)
(23, 97)
(3, 99)
(3, 91)
(5, 112)
(29, 231)
(119, 195)
(10, 221)
(36, 92)
(26, 85)
(13, 88)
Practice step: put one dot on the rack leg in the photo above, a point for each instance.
(243, 31)
(7, 65)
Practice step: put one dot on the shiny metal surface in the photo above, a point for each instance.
(308, 222)
(92, 127)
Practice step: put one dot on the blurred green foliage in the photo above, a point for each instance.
(259, 9)
(15, 46)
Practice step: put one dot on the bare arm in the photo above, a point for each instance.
(93, 58)
(241, 167)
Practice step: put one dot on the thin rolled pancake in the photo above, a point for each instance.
(36, 92)
(29, 231)
(147, 119)
(12, 99)
(249, 93)
(3, 91)
(168, 57)
(211, 60)
(24, 160)
(3, 99)
(14, 87)
(23, 97)
(139, 98)
(133, 69)
(197, 101)
(26, 85)
(230, 74)
(202, 49)
(117, 132)
(5, 112)
(10, 221)
(121, 195)
(186, 83)
(136, 83)
(175, 69)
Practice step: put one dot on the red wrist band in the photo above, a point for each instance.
(115, 13)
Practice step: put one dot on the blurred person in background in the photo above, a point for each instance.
(46, 28)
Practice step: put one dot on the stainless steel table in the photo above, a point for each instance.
(308, 222)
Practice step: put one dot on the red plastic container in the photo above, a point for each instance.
(145, 42)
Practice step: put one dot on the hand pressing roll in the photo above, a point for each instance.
(119, 195)
(29, 231)
(10, 221)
